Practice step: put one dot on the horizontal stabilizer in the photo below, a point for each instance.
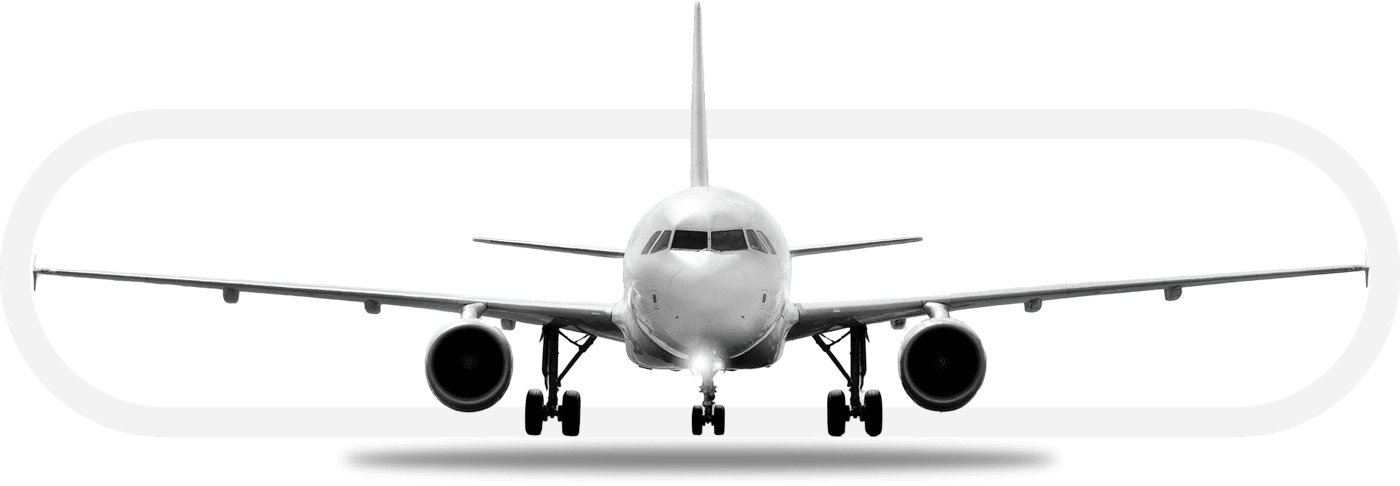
(579, 250)
(812, 250)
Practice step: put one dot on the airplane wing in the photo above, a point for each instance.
(575, 249)
(815, 249)
(594, 319)
(816, 318)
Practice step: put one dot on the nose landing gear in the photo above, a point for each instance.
(838, 411)
(536, 409)
(709, 412)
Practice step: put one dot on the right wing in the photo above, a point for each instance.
(593, 319)
(577, 250)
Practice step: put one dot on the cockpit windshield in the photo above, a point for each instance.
(718, 240)
(728, 240)
(767, 245)
(690, 240)
(755, 243)
(650, 243)
(664, 242)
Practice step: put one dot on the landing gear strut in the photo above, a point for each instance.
(838, 412)
(709, 412)
(537, 410)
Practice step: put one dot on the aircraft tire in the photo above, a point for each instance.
(534, 412)
(697, 420)
(874, 413)
(569, 412)
(837, 413)
(718, 420)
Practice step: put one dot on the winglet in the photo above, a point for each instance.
(34, 269)
(1367, 270)
(699, 153)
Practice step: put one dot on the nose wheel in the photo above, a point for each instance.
(709, 412)
(537, 409)
(838, 410)
(698, 419)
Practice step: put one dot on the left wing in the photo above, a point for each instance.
(594, 319)
(816, 249)
(816, 318)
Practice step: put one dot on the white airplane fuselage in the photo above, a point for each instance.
(726, 307)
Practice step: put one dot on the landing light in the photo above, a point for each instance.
(699, 364)
(702, 363)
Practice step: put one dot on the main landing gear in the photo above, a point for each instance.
(536, 409)
(709, 412)
(838, 412)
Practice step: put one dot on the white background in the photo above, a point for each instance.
(400, 215)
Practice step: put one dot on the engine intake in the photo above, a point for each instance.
(942, 364)
(469, 365)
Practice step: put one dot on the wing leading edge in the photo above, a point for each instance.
(815, 318)
(590, 318)
(575, 249)
(815, 249)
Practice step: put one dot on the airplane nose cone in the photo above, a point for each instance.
(708, 311)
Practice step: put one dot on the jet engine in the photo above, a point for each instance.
(942, 364)
(469, 365)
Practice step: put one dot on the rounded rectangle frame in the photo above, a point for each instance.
(18, 245)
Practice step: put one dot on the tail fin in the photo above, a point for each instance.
(699, 153)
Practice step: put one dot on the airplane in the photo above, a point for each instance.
(707, 274)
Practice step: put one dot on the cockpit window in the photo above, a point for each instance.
(755, 243)
(647, 247)
(727, 240)
(663, 242)
(718, 240)
(690, 240)
(772, 249)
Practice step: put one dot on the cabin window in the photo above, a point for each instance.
(728, 240)
(647, 247)
(662, 243)
(771, 249)
(755, 243)
(690, 240)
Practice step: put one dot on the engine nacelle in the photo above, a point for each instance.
(469, 365)
(942, 364)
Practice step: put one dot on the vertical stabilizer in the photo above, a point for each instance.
(699, 153)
